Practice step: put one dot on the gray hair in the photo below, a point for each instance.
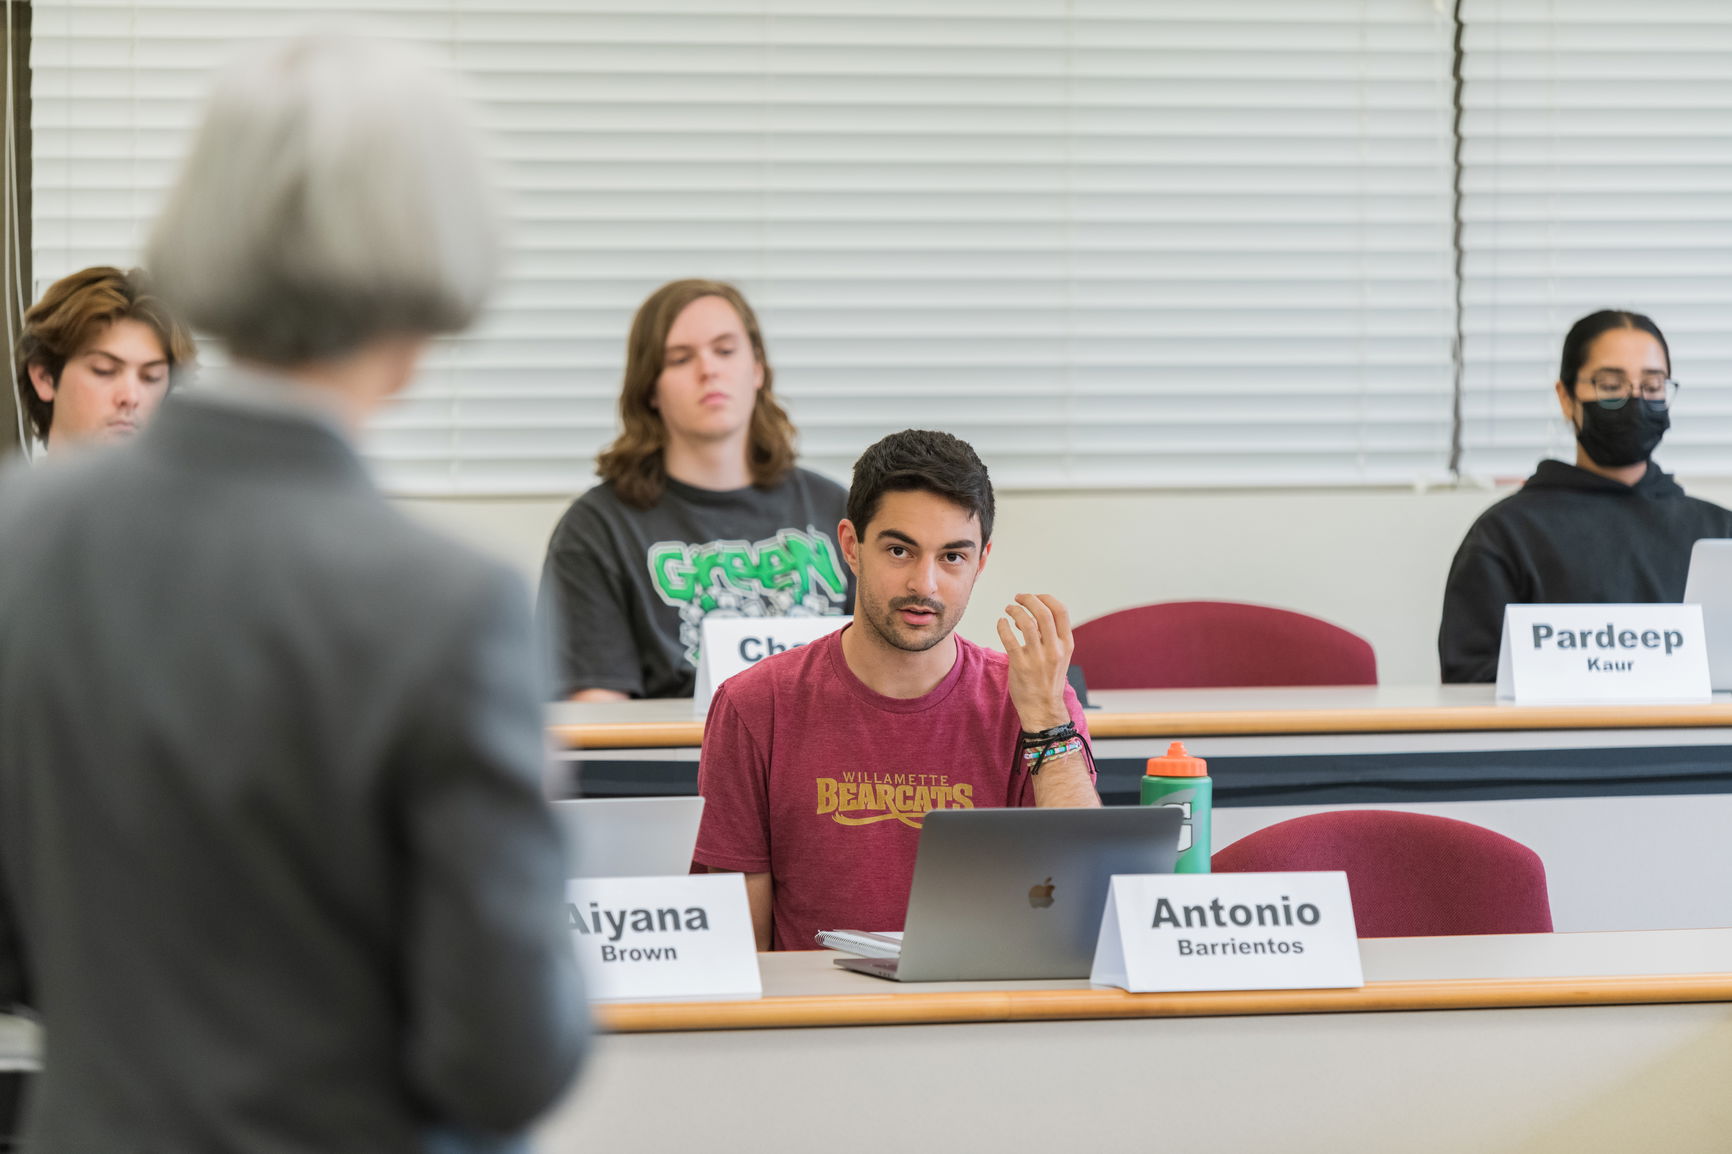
(335, 193)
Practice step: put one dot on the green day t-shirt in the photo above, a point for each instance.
(624, 591)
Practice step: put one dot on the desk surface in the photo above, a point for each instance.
(1589, 1075)
(1208, 712)
(806, 989)
(1572, 1078)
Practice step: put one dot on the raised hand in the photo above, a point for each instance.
(1039, 659)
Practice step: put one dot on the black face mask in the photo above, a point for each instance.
(1627, 435)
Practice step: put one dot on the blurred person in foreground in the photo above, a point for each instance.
(96, 355)
(275, 867)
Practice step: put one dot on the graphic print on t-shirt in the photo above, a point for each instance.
(869, 798)
(793, 574)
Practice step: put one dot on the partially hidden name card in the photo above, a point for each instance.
(1562, 654)
(664, 938)
(1165, 933)
(730, 645)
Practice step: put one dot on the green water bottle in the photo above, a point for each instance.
(1182, 781)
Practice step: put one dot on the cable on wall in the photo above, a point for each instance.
(1457, 350)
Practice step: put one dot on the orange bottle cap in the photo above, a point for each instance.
(1177, 763)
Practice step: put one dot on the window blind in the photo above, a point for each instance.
(1113, 244)
(1596, 173)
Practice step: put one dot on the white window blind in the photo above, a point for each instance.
(1133, 243)
(1597, 173)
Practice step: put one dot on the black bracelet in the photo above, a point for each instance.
(1047, 736)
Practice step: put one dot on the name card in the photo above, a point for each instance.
(1561, 654)
(663, 938)
(1165, 933)
(731, 645)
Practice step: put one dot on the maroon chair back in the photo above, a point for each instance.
(1208, 644)
(1411, 874)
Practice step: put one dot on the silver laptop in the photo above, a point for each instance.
(1710, 586)
(629, 837)
(1019, 893)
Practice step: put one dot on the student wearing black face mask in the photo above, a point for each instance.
(1611, 527)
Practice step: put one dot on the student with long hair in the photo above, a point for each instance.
(1610, 528)
(701, 508)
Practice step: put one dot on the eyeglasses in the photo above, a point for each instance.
(1612, 388)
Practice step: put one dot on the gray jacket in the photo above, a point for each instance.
(275, 867)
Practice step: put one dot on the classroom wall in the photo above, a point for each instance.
(1373, 560)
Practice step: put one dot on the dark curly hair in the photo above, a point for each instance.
(925, 461)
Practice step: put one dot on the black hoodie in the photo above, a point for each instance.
(1568, 536)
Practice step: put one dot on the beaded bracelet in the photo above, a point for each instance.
(1037, 757)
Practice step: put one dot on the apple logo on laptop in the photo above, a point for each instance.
(1040, 896)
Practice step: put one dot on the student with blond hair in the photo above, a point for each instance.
(701, 508)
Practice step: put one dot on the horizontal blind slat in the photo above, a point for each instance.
(1116, 244)
(1596, 163)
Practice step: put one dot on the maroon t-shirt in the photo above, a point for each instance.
(813, 777)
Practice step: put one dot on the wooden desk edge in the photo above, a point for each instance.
(620, 735)
(903, 1009)
(1237, 722)
(1428, 719)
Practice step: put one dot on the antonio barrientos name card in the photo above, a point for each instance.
(1173, 932)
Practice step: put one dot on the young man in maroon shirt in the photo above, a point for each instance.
(820, 764)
